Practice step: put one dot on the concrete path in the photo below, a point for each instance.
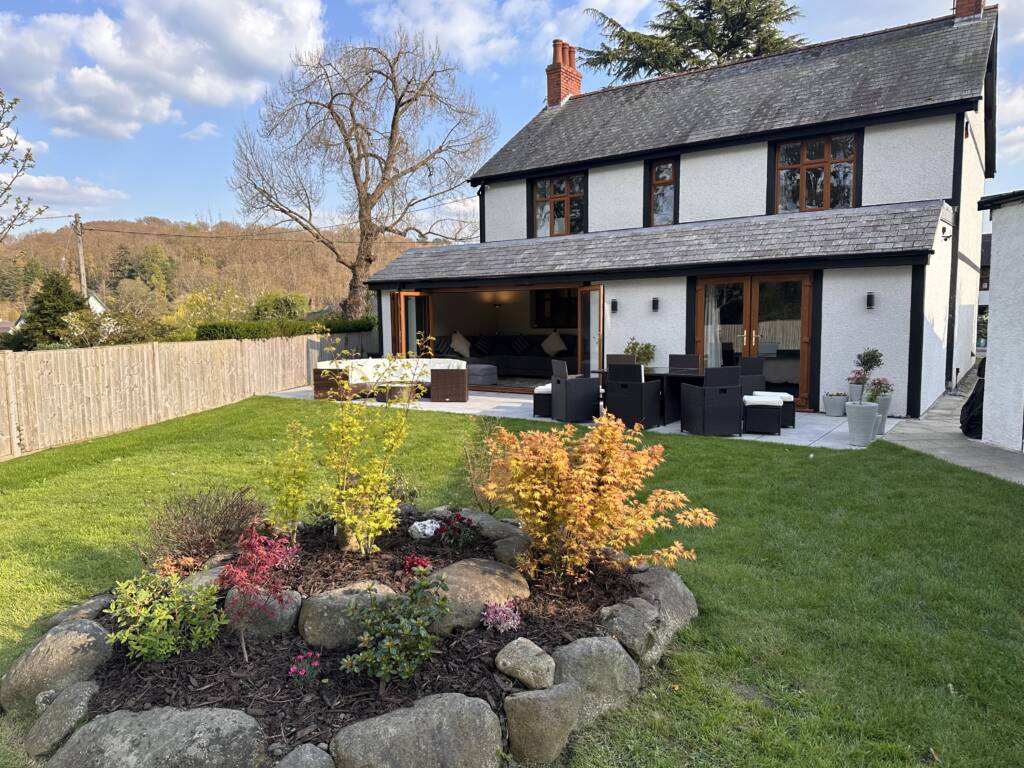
(938, 434)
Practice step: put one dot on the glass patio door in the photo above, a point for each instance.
(780, 332)
(723, 321)
(590, 329)
(765, 316)
(412, 322)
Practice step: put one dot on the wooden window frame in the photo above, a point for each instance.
(650, 185)
(532, 200)
(825, 163)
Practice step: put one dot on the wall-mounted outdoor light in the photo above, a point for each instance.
(869, 300)
(615, 306)
(654, 304)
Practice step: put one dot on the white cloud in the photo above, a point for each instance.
(63, 195)
(113, 74)
(487, 33)
(205, 130)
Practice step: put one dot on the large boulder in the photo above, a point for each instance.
(540, 722)
(509, 549)
(474, 583)
(448, 730)
(489, 526)
(206, 578)
(90, 609)
(60, 718)
(607, 675)
(525, 661)
(325, 620)
(163, 737)
(69, 653)
(645, 625)
(263, 616)
(306, 756)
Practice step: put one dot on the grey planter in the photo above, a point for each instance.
(861, 418)
(856, 393)
(884, 404)
(835, 405)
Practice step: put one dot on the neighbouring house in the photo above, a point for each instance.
(6, 326)
(95, 304)
(1003, 422)
(797, 207)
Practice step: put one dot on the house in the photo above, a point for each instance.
(1003, 421)
(798, 207)
(94, 302)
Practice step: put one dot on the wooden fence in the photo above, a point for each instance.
(61, 396)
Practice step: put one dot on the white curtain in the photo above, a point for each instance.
(712, 329)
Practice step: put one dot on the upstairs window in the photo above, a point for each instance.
(662, 192)
(815, 174)
(559, 206)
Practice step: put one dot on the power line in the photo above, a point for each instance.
(251, 236)
(47, 218)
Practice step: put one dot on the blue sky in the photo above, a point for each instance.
(132, 105)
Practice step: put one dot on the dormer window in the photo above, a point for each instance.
(662, 192)
(816, 174)
(559, 206)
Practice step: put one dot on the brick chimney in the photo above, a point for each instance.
(564, 80)
(965, 9)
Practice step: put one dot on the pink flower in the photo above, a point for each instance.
(302, 673)
(316, 663)
(293, 670)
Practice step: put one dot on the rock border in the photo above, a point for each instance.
(567, 690)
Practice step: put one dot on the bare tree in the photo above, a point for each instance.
(383, 134)
(14, 211)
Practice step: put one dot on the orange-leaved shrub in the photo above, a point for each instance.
(575, 497)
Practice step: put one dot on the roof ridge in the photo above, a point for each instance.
(810, 46)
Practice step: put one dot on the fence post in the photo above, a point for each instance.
(157, 387)
(7, 358)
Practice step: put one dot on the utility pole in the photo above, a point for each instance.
(77, 227)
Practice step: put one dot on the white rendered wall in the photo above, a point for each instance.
(969, 242)
(666, 328)
(936, 315)
(847, 326)
(1004, 371)
(505, 210)
(909, 160)
(615, 197)
(385, 322)
(723, 183)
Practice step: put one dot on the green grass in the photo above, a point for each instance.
(858, 608)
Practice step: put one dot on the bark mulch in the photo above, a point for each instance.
(555, 613)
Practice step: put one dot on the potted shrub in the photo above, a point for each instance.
(857, 379)
(861, 418)
(642, 351)
(867, 362)
(880, 391)
(835, 403)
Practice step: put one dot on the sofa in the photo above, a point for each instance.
(512, 354)
(364, 375)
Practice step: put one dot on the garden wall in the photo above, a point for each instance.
(50, 398)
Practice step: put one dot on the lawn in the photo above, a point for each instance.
(858, 608)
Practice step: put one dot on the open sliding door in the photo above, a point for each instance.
(410, 321)
(590, 329)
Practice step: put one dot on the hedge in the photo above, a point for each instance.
(266, 329)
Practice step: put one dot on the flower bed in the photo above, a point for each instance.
(554, 614)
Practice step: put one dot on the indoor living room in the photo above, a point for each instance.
(508, 337)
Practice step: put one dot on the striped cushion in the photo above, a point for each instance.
(482, 345)
(520, 344)
(443, 345)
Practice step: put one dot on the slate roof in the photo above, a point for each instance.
(918, 66)
(900, 228)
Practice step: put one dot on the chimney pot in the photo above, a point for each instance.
(564, 80)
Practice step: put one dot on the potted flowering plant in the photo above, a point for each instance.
(880, 391)
(835, 403)
(861, 416)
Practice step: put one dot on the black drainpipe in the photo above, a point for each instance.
(958, 165)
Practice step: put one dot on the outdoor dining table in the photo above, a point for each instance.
(671, 393)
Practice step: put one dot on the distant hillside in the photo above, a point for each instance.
(249, 260)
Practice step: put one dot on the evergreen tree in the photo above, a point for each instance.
(690, 34)
(45, 317)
